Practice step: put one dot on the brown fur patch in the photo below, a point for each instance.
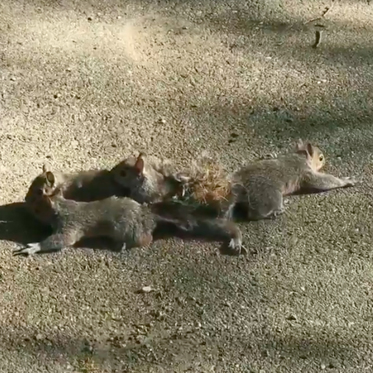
(209, 183)
(290, 188)
(145, 240)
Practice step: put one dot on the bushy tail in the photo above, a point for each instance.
(177, 219)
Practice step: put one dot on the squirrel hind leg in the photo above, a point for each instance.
(233, 248)
(126, 242)
(267, 207)
(233, 243)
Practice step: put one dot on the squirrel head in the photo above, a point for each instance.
(44, 185)
(130, 172)
(313, 154)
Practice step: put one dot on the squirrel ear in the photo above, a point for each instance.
(300, 145)
(140, 164)
(309, 148)
(50, 177)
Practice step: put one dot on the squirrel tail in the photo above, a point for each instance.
(176, 219)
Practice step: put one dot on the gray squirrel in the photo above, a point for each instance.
(259, 187)
(124, 220)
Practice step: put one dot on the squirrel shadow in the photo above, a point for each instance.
(19, 226)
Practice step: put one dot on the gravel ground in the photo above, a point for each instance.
(86, 83)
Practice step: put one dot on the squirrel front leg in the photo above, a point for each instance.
(324, 182)
(53, 243)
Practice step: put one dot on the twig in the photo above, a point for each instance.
(323, 14)
(318, 38)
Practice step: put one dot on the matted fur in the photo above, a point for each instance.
(207, 182)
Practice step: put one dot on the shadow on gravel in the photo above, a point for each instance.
(17, 225)
(346, 125)
(120, 352)
(332, 352)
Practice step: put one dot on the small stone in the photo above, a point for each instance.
(291, 318)
(265, 353)
(12, 78)
(139, 339)
(323, 366)
(146, 289)
(39, 337)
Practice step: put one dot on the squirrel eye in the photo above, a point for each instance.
(39, 192)
(321, 158)
(123, 173)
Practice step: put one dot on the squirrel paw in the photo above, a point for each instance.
(272, 155)
(278, 212)
(349, 181)
(235, 247)
(275, 213)
(30, 249)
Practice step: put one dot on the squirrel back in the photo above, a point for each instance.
(285, 173)
(102, 217)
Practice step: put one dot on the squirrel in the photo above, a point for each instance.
(256, 189)
(150, 180)
(125, 221)
(83, 186)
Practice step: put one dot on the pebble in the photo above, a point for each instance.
(146, 289)
(291, 318)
